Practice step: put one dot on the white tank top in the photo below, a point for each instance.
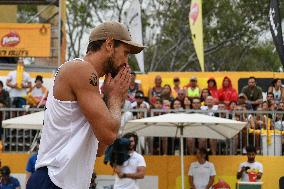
(68, 145)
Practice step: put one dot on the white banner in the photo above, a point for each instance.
(133, 21)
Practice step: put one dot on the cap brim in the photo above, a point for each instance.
(135, 48)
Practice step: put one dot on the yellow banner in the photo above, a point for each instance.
(24, 40)
(195, 22)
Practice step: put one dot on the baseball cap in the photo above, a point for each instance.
(117, 31)
(193, 78)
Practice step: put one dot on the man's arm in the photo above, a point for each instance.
(138, 175)
(191, 182)
(105, 120)
(210, 183)
(240, 173)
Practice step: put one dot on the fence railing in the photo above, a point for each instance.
(264, 130)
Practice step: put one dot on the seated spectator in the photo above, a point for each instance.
(270, 96)
(157, 89)
(7, 181)
(196, 104)
(212, 87)
(264, 106)
(221, 107)
(232, 105)
(158, 105)
(192, 88)
(280, 105)
(242, 101)
(279, 120)
(209, 105)
(176, 87)
(204, 94)
(250, 164)
(4, 97)
(277, 90)
(181, 95)
(166, 105)
(19, 81)
(176, 105)
(133, 87)
(38, 93)
(272, 105)
(227, 93)
(139, 99)
(253, 93)
(186, 103)
(167, 93)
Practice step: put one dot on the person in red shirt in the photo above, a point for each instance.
(212, 87)
(227, 93)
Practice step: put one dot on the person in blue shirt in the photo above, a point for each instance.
(7, 181)
(30, 168)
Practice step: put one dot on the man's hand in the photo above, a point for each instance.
(115, 89)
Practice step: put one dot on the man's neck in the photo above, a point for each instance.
(98, 61)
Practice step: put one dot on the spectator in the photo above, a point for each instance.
(181, 95)
(277, 90)
(221, 107)
(227, 93)
(38, 93)
(186, 103)
(176, 105)
(204, 94)
(209, 105)
(30, 168)
(201, 172)
(265, 106)
(167, 93)
(232, 105)
(4, 97)
(270, 96)
(192, 88)
(18, 90)
(166, 105)
(133, 87)
(7, 181)
(279, 121)
(176, 87)
(132, 169)
(242, 99)
(250, 164)
(281, 105)
(212, 87)
(139, 99)
(196, 105)
(253, 92)
(157, 89)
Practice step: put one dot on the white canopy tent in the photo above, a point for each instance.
(29, 121)
(185, 125)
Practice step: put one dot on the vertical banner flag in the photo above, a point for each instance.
(196, 27)
(63, 41)
(133, 21)
(276, 29)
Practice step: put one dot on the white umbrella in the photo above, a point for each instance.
(29, 121)
(185, 125)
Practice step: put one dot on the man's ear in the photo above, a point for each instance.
(109, 44)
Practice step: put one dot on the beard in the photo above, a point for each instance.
(110, 68)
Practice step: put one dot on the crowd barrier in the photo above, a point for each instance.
(264, 129)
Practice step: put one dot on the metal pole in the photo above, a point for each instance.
(181, 157)
(59, 34)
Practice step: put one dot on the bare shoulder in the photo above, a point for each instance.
(72, 76)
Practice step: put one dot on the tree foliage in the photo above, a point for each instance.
(234, 33)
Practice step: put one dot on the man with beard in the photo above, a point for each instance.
(250, 165)
(132, 169)
(77, 122)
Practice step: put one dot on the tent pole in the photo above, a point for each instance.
(181, 157)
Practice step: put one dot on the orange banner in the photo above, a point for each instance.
(24, 40)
